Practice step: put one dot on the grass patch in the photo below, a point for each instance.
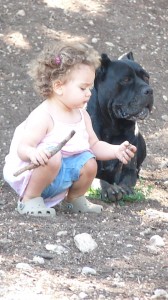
(94, 193)
(140, 193)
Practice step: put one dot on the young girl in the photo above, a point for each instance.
(64, 76)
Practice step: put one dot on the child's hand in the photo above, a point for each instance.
(39, 156)
(125, 152)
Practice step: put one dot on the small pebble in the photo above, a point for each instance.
(88, 270)
(157, 240)
(21, 13)
(38, 260)
(23, 266)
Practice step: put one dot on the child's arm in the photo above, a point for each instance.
(35, 130)
(106, 151)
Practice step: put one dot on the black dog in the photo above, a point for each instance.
(120, 97)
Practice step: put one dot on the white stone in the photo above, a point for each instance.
(21, 13)
(83, 295)
(23, 266)
(143, 47)
(160, 294)
(91, 22)
(56, 248)
(38, 260)
(129, 245)
(165, 98)
(60, 233)
(84, 242)
(109, 44)
(165, 118)
(94, 40)
(157, 240)
(2, 273)
(88, 270)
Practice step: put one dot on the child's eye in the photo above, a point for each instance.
(89, 88)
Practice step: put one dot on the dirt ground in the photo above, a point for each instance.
(126, 265)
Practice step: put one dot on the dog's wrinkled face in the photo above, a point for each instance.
(123, 89)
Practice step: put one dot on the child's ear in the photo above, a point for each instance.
(57, 87)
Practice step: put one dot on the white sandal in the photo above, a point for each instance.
(35, 207)
(81, 205)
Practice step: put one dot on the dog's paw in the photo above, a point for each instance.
(114, 192)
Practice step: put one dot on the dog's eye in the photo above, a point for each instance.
(126, 80)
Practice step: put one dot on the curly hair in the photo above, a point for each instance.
(55, 62)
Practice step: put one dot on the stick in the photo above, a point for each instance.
(119, 171)
(53, 151)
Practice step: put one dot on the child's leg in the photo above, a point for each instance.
(76, 201)
(42, 177)
(87, 174)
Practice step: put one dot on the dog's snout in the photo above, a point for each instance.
(147, 91)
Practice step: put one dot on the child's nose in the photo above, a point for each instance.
(88, 92)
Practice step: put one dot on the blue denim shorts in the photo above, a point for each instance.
(69, 172)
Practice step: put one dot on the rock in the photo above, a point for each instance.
(165, 118)
(84, 242)
(88, 270)
(82, 295)
(160, 294)
(109, 44)
(165, 98)
(60, 233)
(143, 47)
(23, 266)
(2, 274)
(91, 22)
(38, 260)
(94, 40)
(157, 240)
(21, 13)
(129, 245)
(56, 248)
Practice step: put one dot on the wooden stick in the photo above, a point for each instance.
(53, 151)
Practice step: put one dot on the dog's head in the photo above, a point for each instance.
(123, 89)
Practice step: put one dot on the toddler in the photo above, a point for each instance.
(63, 76)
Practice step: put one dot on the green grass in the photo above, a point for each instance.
(141, 192)
(93, 193)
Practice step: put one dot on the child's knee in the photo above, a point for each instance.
(90, 168)
(55, 162)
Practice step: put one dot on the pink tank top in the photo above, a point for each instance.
(77, 144)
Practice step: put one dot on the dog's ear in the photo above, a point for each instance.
(105, 60)
(128, 55)
(101, 71)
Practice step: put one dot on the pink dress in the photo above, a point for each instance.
(77, 144)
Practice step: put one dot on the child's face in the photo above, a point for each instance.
(76, 91)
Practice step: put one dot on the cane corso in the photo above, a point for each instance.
(121, 96)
